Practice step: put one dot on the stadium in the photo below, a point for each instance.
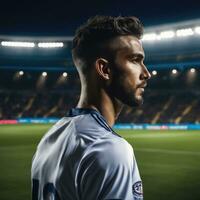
(39, 84)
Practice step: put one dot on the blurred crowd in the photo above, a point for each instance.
(159, 106)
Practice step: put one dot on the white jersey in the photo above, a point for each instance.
(82, 158)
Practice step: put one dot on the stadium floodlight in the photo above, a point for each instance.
(174, 71)
(64, 74)
(44, 74)
(197, 29)
(166, 34)
(21, 73)
(50, 44)
(184, 32)
(154, 72)
(149, 37)
(192, 70)
(18, 44)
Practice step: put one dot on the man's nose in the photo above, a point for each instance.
(145, 73)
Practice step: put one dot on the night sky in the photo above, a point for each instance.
(62, 17)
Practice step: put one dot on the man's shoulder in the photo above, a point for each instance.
(115, 145)
(110, 150)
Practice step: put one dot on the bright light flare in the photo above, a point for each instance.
(149, 37)
(21, 73)
(154, 72)
(166, 34)
(191, 75)
(174, 71)
(50, 44)
(64, 74)
(192, 70)
(44, 74)
(18, 44)
(184, 32)
(197, 29)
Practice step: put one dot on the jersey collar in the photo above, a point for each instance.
(81, 111)
(96, 115)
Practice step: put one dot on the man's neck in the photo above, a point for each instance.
(101, 101)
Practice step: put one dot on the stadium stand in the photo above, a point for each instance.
(160, 106)
(32, 83)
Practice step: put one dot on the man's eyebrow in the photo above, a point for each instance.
(138, 55)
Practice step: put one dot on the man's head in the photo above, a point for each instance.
(110, 48)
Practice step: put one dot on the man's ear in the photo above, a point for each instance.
(103, 69)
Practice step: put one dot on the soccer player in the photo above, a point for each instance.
(81, 157)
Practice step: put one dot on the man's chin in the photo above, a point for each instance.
(139, 100)
(132, 101)
(135, 102)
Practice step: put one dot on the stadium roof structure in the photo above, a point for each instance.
(175, 45)
(175, 25)
(36, 38)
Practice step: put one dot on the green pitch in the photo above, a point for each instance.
(169, 161)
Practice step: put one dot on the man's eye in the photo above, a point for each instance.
(136, 60)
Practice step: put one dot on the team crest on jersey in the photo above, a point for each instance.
(138, 190)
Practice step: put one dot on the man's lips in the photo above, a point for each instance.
(141, 89)
(142, 85)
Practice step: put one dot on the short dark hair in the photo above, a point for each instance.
(90, 38)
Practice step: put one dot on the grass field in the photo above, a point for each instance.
(169, 161)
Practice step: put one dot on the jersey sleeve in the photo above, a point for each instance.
(108, 171)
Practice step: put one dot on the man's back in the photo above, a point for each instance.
(82, 158)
